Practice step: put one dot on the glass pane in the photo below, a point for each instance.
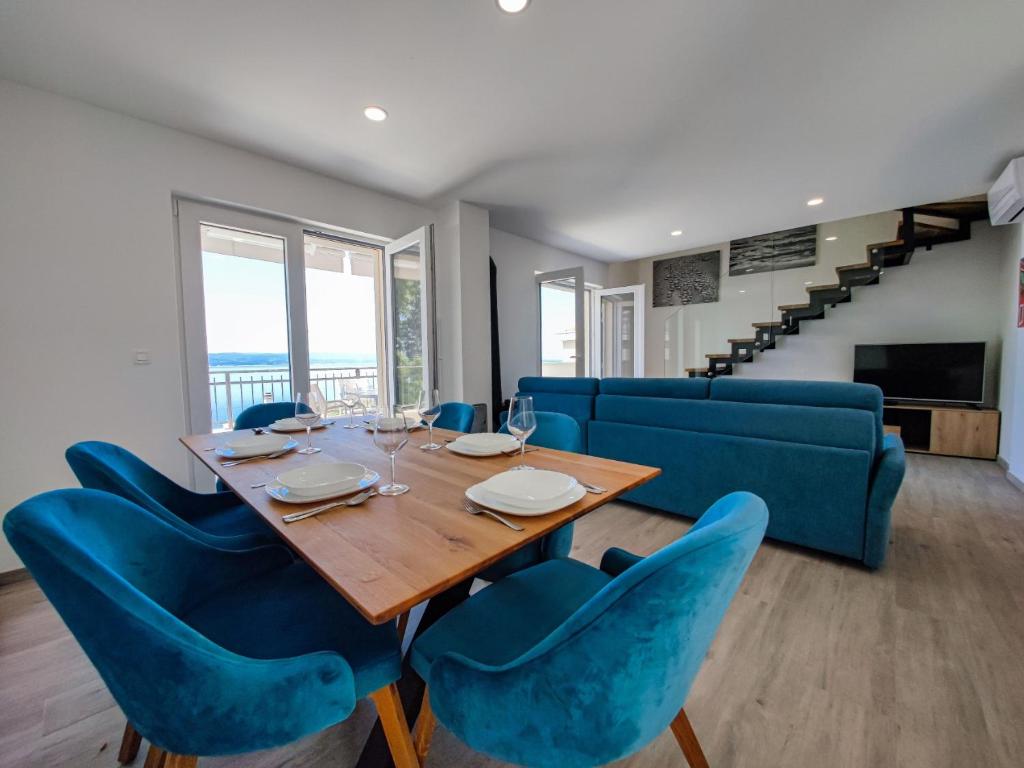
(246, 320)
(616, 339)
(408, 325)
(342, 319)
(558, 327)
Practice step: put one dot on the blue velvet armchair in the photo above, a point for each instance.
(570, 666)
(560, 433)
(218, 519)
(455, 416)
(207, 651)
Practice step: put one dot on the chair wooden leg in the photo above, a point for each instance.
(156, 758)
(130, 743)
(396, 728)
(423, 733)
(180, 761)
(403, 624)
(687, 739)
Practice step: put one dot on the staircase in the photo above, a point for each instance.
(942, 223)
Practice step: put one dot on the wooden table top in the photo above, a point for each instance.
(392, 553)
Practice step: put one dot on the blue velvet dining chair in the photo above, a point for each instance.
(264, 414)
(560, 433)
(218, 519)
(572, 666)
(207, 651)
(455, 416)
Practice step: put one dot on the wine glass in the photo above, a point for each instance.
(390, 434)
(522, 422)
(308, 409)
(350, 399)
(429, 409)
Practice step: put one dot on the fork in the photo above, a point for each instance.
(349, 502)
(476, 509)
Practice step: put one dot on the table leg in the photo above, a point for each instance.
(375, 752)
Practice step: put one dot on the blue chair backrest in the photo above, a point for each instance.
(455, 416)
(264, 414)
(556, 431)
(119, 578)
(613, 676)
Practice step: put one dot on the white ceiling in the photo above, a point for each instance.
(593, 125)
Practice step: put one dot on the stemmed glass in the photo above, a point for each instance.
(309, 407)
(390, 434)
(522, 422)
(429, 408)
(350, 399)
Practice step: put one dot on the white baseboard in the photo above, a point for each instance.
(1015, 481)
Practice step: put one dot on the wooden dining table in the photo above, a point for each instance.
(392, 553)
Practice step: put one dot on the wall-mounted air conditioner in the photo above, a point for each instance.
(1006, 198)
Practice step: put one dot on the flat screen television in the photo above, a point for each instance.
(947, 373)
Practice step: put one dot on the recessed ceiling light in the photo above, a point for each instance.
(513, 6)
(377, 114)
(676, 232)
(816, 201)
(830, 238)
(742, 291)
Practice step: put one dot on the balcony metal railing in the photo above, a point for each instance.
(234, 390)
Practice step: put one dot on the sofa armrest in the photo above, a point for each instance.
(884, 487)
(616, 560)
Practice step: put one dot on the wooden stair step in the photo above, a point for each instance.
(832, 287)
(773, 324)
(848, 267)
(788, 307)
(741, 341)
(696, 370)
(719, 356)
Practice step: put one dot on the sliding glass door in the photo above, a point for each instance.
(270, 307)
(618, 326)
(562, 341)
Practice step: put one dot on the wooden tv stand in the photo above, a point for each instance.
(945, 429)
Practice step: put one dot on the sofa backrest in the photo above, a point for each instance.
(814, 394)
(683, 389)
(562, 394)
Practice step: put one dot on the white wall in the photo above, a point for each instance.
(943, 295)
(518, 260)
(1011, 387)
(89, 274)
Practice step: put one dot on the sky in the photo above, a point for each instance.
(558, 313)
(246, 309)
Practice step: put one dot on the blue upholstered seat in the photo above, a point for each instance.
(218, 519)
(264, 414)
(455, 416)
(563, 664)
(561, 433)
(207, 651)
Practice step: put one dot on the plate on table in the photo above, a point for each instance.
(293, 425)
(318, 480)
(248, 445)
(479, 495)
(529, 489)
(281, 493)
(482, 444)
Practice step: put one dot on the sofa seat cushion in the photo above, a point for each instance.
(828, 427)
(816, 495)
(508, 618)
(292, 612)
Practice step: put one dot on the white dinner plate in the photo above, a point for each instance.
(293, 425)
(529, 489)
(462, 450)
(277, 491)
(322, 479)
(479, 495)
(244, 446)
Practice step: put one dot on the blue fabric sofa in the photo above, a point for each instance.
(814, 451)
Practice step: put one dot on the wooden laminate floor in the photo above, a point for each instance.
(819, 662)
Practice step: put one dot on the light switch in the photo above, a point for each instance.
(142, 357)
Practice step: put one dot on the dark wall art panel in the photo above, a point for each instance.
(691, 279)
(787, 249)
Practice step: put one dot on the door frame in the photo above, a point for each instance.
(639, 307)
(579, 289)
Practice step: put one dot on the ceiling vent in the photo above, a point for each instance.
(1006, 198)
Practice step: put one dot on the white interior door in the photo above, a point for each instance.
(562, 323)
(409, 288)
(618, 327)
